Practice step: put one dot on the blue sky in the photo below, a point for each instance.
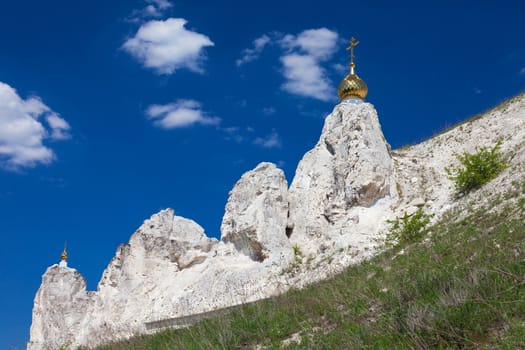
(111, 111)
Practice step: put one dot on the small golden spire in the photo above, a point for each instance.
(63, 256)
(353, 43)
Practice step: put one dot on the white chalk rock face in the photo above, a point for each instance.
(348, 171)
(256, 216)
(60, 307)
(144, 270)
(169, 269)
(344, 191)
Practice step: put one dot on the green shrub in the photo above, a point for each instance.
(408, 228)
(64, 346)
(476, 169)
(297, 251)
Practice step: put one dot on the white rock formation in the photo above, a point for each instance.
(338, 203)
(344, 184)
(59, 309)
(256, 216)
(169, 269)
(145, 269)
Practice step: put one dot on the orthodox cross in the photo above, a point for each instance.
(353, 43)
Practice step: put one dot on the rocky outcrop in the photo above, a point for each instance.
(256, 216)
(169, 269)
(146, 268)
(336, 208)
(60, 307)
(340, 181)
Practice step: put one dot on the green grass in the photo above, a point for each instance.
(462, 287)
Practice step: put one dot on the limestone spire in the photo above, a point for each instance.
(352, 89)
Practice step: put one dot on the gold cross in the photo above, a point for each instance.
(353, 43)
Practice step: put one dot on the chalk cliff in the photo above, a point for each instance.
(273, 238)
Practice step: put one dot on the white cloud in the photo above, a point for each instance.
(59, 127)
(320, 43)
(153, 9)
(161, 4)
(22, 133)
(180, 114)
(166, 46)
(302, 60)
(305, 77)
(251, 54)
(272, 140)
(522, 71)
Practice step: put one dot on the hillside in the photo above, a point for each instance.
(276, 237)
(460, 286)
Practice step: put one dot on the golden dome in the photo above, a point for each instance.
(352, 86)
(63, 256)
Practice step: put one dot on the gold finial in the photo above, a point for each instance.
(353, 43)
(352, 88)
(63, 256)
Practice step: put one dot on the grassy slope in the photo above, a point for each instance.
(461, 287)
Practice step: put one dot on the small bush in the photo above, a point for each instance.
(476, 169)
(298, 259)
(297, 251)
(408, 228)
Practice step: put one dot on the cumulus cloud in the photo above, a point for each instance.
(253, 53)
(319, 43)
(305, 77)
(302, 58)
(166, 46)
(302, 61)
(24, 125)
(272, 140)
(180, 114)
